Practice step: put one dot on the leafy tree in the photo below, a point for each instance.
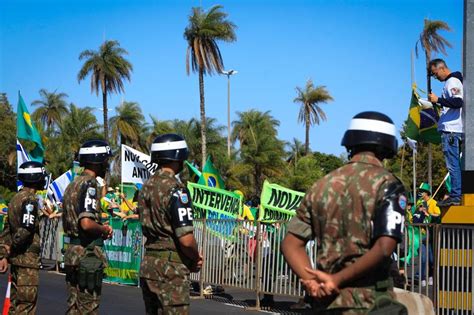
(127, 124)
(327, 162)
(405, 171)
(8, 144)
(305, 173)
(52, 108)
(158, 127)
(216, 143)
(203, 55)
(261, 153)
(108, 69)
(310, 112)
(295, 152)
(79, 126)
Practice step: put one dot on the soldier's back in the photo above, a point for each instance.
(152, 206)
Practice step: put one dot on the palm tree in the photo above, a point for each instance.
(191, 131)
(202, 33)
(158, 127)
(53, 108)
(79, 126)
(261, 152)
(127, 124)
(108, 69)
(296, 151)
(430, 41)
(310, 112)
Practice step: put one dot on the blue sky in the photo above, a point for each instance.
(360, 50)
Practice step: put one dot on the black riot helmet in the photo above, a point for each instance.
(169, 147)
(371, 131)
(95, 152)
(32, 174)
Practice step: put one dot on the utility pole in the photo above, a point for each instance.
(228, 74)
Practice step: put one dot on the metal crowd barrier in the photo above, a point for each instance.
(246, 255)
(416, 258)
(455, 280)
(50, 238)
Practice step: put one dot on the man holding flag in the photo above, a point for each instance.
(450, 124)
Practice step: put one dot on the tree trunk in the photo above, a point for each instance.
(203, 118)
(106, 122)
(306, 141)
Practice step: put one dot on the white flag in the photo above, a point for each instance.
(21, 157)
(58, 186)
(412, 144)
(136, 166)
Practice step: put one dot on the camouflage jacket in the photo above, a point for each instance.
(81, 200)
(154, 210)
(22, 230)
(338, 211)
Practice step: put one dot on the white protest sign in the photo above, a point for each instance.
(136, 166)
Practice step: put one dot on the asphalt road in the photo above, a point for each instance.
(118, 299)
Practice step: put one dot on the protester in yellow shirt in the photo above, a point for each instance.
(431, 204)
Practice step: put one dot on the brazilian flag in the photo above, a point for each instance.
(210, 176)
(26, 130)
(422, 124)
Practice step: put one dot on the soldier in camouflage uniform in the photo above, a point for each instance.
(20, 241)
(171, 252)
(355, 213)
(84, 259)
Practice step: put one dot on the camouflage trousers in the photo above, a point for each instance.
(383, 303)
(81, 300)
(154, 294)
(165, 286)
(24, 290)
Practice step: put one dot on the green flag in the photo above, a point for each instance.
(210, 176)
(26, 130)
(194, 173)
(448, 183)
(422, 123)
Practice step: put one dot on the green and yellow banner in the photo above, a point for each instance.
(216, 204)
(124, 251)
(278, 203)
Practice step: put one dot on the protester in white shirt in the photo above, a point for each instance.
(450, 124)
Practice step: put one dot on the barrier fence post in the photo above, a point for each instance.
(436, 238)
(203, 253)
(58, 248)
(258, 256)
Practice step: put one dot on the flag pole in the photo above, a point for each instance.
(403, 159)
(440, 185)
(414, 176)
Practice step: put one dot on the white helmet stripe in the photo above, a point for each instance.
(171, 145)
(31, 170)
(93, 150)
(373, 125)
